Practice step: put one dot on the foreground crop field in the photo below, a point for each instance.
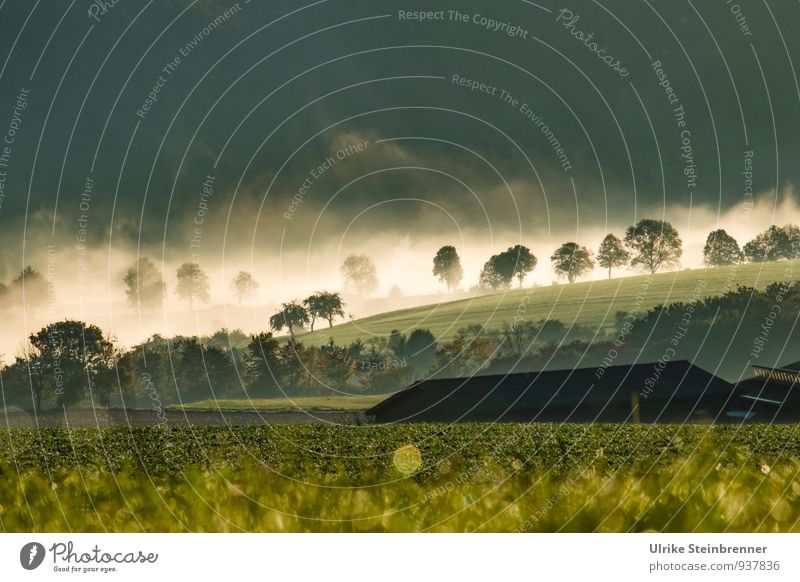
(301, 403)
(402, 478)
(590, 303)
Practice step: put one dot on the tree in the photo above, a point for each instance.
(774, 244)
(144, 285)
(495, 273)
(571, 260)
(291, 315)
(360, 273)
(500, 269)
(71, 356)
(653, 244)
(262, 365)
(612, 253)
(523, 260)
(721, 249)
(447, 266)
(324, 305)
(244, 286)
(192, 283)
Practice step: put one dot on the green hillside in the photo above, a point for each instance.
(590, 303)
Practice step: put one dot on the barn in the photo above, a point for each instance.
(663, 392)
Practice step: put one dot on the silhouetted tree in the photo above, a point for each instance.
(500, 269)
(654, 244)
(263, 366)
(325, 305)
(359, 272)
(192, 283)
(612, 253)
(571, 260)
(721, 249)
(71, 357)
(447, 266)
(523, 260)
(291, 315)
(144, 285)
(494, 274)
(244, 286)
(774, 244)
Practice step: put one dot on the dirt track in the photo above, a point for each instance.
(102, 417)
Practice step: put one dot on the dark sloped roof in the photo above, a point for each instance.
(584, 391)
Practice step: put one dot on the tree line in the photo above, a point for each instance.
(71, 362)
(650, 245)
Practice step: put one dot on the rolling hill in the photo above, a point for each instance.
(590, 303)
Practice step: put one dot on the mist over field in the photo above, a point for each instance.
(232, 144)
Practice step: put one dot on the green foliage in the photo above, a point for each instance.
(654, 244)
(500, 269)
(492, 478)
(324, 305)
(291, 315)
(447, 266)
(571, 260)
(612, 253)
(586, 303)
(71, 361)
(774, 244)
(721, 249)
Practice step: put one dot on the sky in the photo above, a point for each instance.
(279, 137)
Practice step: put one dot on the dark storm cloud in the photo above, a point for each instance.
(149, 102)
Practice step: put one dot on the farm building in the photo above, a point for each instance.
(671, 392)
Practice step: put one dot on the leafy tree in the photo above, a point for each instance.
(144, 285)
(653, 244)
(244, 286)
(612, 253)
(263, 365)
(291, 315)
(325, 305)
(721, 249)
(467, 354)
(500, 269)
(220, 373)
(228, 339)
(192, 283)
(23, 384)
(495, 273)
(571, 260)
(71, 356)
(447, 266)
(523, 260)
(774, 244)
(359, 272)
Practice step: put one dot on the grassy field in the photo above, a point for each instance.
(469, 477)
(302, 403)
(591, 303)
